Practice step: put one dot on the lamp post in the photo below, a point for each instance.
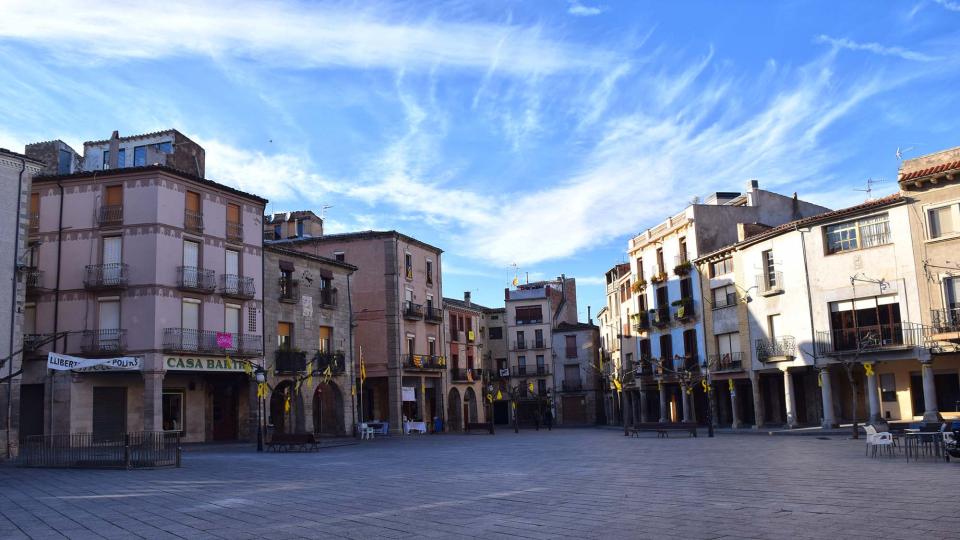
(705, 373)
(260, 378)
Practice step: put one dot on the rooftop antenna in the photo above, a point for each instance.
(323, 211)
(869, 190)
(901, 151)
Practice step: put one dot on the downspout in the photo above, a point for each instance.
(56, 302)
(13, 298)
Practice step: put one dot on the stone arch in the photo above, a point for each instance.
(455, 416)
(470, 400)
(328, 409)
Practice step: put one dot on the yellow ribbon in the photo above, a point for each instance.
(730, 384)
(868, 367)
(820, 379)
(703, 383)
(490, 398)
(689, 390)
(286, 405)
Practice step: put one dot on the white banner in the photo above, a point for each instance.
(63, 362)
(408, 393)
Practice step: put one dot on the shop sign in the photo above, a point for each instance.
(63, 362)
(201, 363)
(408, 393)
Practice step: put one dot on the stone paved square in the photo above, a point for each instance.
(574, 483)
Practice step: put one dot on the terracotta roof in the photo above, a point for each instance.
(137, 136)
(566, 327)
(930, 170)
(359, 235)
(20, 156)
(147, 168)
(463, 305)
(309, 256)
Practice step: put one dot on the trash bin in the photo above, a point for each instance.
(437, 425)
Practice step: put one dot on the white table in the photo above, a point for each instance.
(418, 427)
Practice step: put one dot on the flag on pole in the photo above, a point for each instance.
(363, 368)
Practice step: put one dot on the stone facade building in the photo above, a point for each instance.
(153, 263)
(19, 274)
(306, 313)
(576, 380)
(464, 349)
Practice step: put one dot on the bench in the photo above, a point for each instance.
(293, 442)
(663, 429)
(481, 426)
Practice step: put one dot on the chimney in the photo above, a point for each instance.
(589, 319)
(752, 187)
(466, 297)
(114, 159)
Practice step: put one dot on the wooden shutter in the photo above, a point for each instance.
(233, 213)
(34, 204)
(193, 201)
(114, 195)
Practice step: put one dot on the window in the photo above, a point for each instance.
(429, 272)
(139, 156)
(251, 319)
(728, 345)
(866, 323)
(769, 270)
(165, 147)
(639, 269)
(666, 348)
(542, 387)
(721, 267)
(686, 288)
(690, 346)
(662, 297)
(571, 348)
(173, 402)
(64, 162)
(284, 336)
(660, 265)
(432, 346)
(888, 387)
(858, 234)
(234, 228)
(469, 361)
(521, 365)
(529, 315)
(340, 256)
(683, 250)
(277, 232)
(231, 321)
(411, 344)
(325, 342)
(725, 296)
(951, 288)
(496, 332)
(408, 265)
(193, 216)
(460, 325)
(453, 326)
(538, 338)
(521, 341)
(944, 221)
(232, 260)
(773, 326)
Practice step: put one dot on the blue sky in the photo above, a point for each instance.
(542, 133)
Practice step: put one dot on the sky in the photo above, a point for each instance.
(542, 134)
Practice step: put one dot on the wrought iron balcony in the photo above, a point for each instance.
(871, 338)
(110, 341)
(641, 321)
(33, 342)
(466, 375)
(328, 298)
(106, 276)
(434, 315)
(945, 320)
(288, 361)
(234, 232)
(34, 280)
(660, 316)
(571, 386)
(190, 340)
(731, 361)
(193, 221)
(34, 223)
(683, 310)
(411, 311)
(336, 361)
(192, 278)
(110, 215)
(770, 283)
(530, 371)
(234, 286)
(289, 290)
(519, 345)
(781, 349)
(423, 361)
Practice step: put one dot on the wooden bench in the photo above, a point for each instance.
(663, 429)
(293, 442)
(481, 426)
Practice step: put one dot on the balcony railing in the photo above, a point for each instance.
(519, 346)
(731, 361)
(423, 361)
(106, 276)
(780, 349)
(770, 283)
(466, 374)
(191, 278)
(32, 342)
(190, 340)
(411, 311)
(110, 214)
(571, 386)
(945, 320)
(336, 361)
(871, 338)
(287, 361)
(34, 280)
(683, 310)
(193, 221)
(109, 341)
(289, 290)
(434, 314)
(234, 286)
(660, 316)
(34, 222)
(234, 232)
(641, 321)
(530, 371)
(328, 298)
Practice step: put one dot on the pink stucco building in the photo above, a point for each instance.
(150, 262)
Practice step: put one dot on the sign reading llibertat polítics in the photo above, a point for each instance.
(201, 363)
(63, 362)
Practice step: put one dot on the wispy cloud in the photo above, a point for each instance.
(949, 4)
(580, 10)
(876, 48)
(285, 33)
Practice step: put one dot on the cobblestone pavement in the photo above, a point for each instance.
(582, 483)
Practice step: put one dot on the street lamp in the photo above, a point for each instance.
(705, 373)
(261, 378)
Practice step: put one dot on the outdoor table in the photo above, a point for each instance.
(380, 428)
(420, 427)
(912, 439)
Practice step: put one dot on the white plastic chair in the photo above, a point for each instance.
(882, 440)
(871, 433)
(366, 432)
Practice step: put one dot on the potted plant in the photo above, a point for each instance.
(659, 277)
(683, 268)
(638, 286)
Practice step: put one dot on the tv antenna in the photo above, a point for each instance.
(869, 190)
(323, 210)
(901, 151)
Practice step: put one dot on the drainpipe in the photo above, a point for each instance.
(13, 298)
(56, 302)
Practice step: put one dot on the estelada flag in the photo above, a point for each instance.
(363, 368)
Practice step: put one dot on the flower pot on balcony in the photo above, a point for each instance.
(639, 286)
(683, 268)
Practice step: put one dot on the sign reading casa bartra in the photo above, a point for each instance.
(201, 363)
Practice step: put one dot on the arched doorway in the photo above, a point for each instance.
(280, 418)
(328, 410)
(470, 405)
(455, 418)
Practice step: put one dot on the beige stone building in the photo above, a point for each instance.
(464, 349)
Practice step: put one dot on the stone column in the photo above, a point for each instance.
(644, 410)
(688, 415)
(627, 402)
(826, 393)
(734, 409)
(153, 401)
(663, 402)
(930, 413)
(873, 393)
(758, 412)
(790, 403)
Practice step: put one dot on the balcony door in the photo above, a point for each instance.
(190, 323)
(108, 319)
(231, 323)
(112, 257)
(191, 263)
(232, 263)
(952, 288)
